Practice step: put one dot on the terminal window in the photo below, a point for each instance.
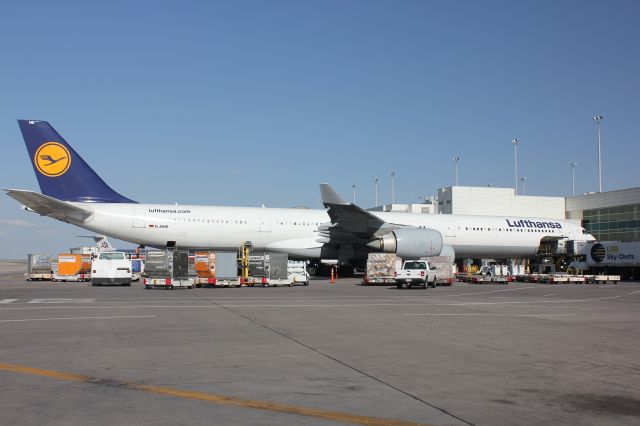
(620, 223)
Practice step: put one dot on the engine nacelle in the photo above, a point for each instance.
(448, 251)
(410, 243)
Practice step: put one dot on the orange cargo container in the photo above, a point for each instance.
(205, 264)
(73, 264)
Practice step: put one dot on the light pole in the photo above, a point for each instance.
(523, 179)
(598, 119)
(515, 153)
(573, 178)
(456, 159)
(354, 194)
(393, 193)
(376, 192)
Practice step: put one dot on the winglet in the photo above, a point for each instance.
(330, 196)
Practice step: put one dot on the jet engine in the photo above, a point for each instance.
(410, 243)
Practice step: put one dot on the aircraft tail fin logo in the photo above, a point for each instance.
(52, 159)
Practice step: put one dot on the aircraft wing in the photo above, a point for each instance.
(49, 206)
(349, 223)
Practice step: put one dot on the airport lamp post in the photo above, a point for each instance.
(376, 181)
(456, 159)
(393, 193)
(598, 120)
(515, 153)
(354, 194)
(523, 179)
(573, 178)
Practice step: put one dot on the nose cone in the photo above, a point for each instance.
(375, 244)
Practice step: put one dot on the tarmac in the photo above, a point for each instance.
(326, 354)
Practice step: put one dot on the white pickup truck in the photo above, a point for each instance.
(111, 267)
(416, 272)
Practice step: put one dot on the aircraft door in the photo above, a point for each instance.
(139, 218)
(265, 223)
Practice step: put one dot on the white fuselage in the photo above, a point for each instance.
(295, 231)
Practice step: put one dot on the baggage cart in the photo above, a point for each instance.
(268, 269)
(73, 267)
(39, 267)
(167, 268)
(216, 269)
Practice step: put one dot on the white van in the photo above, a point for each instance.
(111, 267)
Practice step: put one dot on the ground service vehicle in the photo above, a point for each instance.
(297, 272)
(111, 267)
(417, 272)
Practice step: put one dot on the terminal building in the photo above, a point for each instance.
(608, 216)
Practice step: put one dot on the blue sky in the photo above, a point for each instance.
(249, 102)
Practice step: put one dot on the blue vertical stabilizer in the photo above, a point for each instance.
(61, 172)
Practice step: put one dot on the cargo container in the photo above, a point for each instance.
(167, 268)
(216, 268)
(73, 267)
(381, 268)
(39, 267)
(137, 269)
(297, 272)
(444, 268)
(268, 269)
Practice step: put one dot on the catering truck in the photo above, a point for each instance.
(416, 272)
(111, 267)
(608, 259)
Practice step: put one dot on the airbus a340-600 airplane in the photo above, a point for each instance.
(72, 192)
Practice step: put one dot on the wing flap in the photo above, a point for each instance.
(49, 206)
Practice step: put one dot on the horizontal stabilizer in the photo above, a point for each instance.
(48, 206)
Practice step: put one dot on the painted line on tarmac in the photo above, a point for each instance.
(93, 306)
(490, 315)
(489, 292)
(8, 300)
(212, 398)
(596, 299)
(77, 318)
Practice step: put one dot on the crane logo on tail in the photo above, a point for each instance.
(52, 159)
